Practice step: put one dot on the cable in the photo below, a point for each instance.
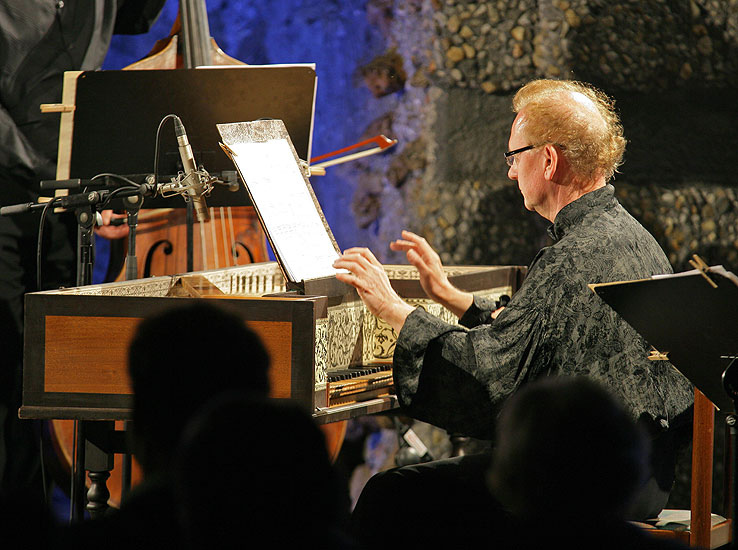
(116, 192)
(43, 467)
(132, 186)
(156, 147)
(39, 244)
(73, 466)
(115, 176)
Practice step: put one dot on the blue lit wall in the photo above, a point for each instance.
(333, 34)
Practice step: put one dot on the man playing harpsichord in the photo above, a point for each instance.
(565, 144)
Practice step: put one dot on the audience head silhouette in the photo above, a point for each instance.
(276, 476)
(566, 449)
(178, 360)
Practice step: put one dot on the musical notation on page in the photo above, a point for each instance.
(279, 192)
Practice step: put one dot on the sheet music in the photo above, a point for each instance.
(718, 269)
(286, 208)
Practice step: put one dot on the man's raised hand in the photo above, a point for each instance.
(433, 279)
(367, 275)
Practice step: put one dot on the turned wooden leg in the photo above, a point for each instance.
(98, 462)
(98, 494)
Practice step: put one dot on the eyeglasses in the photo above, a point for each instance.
(510, 155)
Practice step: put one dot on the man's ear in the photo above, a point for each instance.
(553, 162)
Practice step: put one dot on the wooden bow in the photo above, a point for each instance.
(382, 143)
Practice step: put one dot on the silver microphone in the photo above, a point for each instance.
(195, 188)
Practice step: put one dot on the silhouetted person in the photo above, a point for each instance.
(178, 360)
(567, 464)
(440, 507)
(254, 469)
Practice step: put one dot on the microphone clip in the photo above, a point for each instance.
(198, 184)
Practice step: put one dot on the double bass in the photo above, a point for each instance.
(233, 235)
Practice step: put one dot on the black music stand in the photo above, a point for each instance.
(692, 317)
(116, 114)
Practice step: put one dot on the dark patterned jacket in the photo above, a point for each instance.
(457, 378)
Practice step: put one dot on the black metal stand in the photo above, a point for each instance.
(84, 205)
(190, 237)
(96, 454)
(133, 205)
(97, 441)
(85, 222)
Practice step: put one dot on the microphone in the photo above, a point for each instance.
(195, 189)
(68, 201)
(71, 184)
(18, 208)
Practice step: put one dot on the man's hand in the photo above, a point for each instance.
(433, 279)
(367, 275)
(111, 231)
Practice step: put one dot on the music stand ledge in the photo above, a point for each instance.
(690, 318)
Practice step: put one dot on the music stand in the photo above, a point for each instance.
(692, 319)
(116, 114)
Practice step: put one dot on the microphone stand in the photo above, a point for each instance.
(85, 222)
(190, 222)
(95, 435)
(133, 205)
(84, 205)
(102, 458)
(104, 461)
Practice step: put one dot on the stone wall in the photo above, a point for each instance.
(671, 67)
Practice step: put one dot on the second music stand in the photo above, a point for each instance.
(691, 319)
